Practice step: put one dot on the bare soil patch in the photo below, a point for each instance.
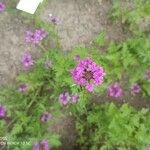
(82, 20)
(12, 46)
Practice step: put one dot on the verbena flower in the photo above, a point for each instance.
(45, 145)
(46, 116)
(87, 73)
(115, 90)
(27, 60)
(2, 112)
(23, 88)
(54, 19)
(43, 33)
(2, 6)
(148, 75)
(29, 37)
(36, 36)
(77, 58)
(64, 98)
(42, 145)
(36, 146)
(75, 98)
(135, 88)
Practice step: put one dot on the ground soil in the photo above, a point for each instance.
(12, 45)
(81, 21)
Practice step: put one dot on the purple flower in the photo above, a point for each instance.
(88, 74)
(2, 6)
(55, 20)
(148, 75)
(39, 35)
(27, 60)
(90, 87)
(46, 116)
(64, 98)
(114, 90)
(36, 146)
(42, 145)
(36, 36)
(2, 112)
(45, 145)
(48, 64)
(29, 37)
(135, 88)
(77, 58)
(43, 33)
(75, 98)
(23, 88)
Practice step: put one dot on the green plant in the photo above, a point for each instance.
(133, 13)
(107, 126)
(98, 126)
(22, 123)
(129, 55)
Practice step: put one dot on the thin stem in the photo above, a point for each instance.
(32, 101)
(11, 122)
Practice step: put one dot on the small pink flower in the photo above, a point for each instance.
(77, 58)
(2, 112)
(54, 19)
(27, 60)
(42, 145)
(2, 6)
(135, 88)
(115, 90)
(23, 88)
(75, 98)
(64, 98)
(46, 116)
(90, 87)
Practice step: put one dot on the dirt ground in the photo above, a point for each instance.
(12, 46)
(80, 22)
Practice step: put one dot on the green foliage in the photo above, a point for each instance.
(133, 13)
(110, 127)
(100, 40)
(46, 84)
(103, 126)
(23, 113)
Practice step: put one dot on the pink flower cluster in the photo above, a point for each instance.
(36, 36)
(87, 73)
(65, 98)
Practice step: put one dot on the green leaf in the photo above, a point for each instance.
(100, 40)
